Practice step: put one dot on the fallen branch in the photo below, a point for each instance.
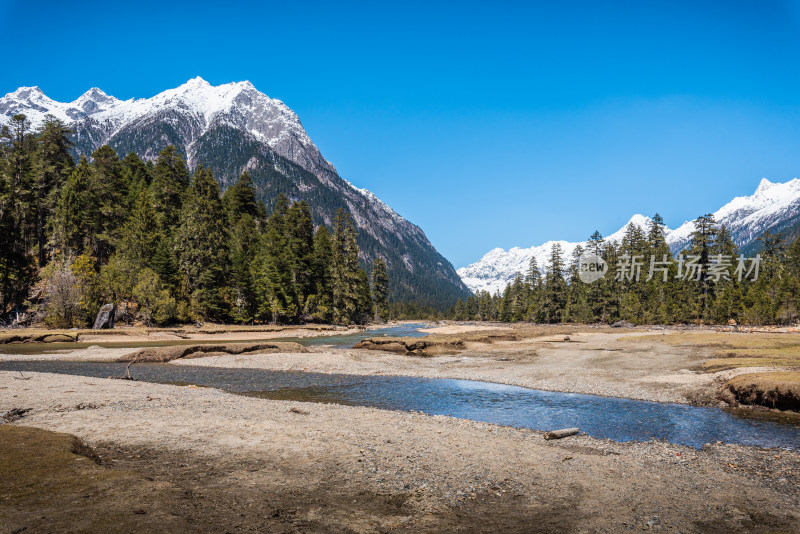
(127, 372)
(563, 433)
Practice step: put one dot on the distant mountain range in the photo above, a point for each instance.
(773, 206)
(233, 127)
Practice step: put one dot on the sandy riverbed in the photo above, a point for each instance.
(598, 363)
(258, 465)
(211, 461)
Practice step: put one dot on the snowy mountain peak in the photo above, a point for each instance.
(763, 185)
(746, 217)
(94, 100)
(196, 81)
(237, 104)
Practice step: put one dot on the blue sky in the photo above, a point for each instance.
(487, 124)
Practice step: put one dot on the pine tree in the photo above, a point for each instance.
(273, 277)
(136, 174)
(54, 165)
(300, 250)
(322, 308)
(555, 288)
(17, 272)
(345, 276)
(577, 308)
(533, 281)
(243, 246)
(380, 289)
(139, 236)
(76, 213)
(170, 182)
(20, 155)
(240, 199)
(201, 241)
(111, 194)
(701, 247)
(656, 293)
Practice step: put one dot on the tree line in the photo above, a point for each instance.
(164, 244)
(708, 282)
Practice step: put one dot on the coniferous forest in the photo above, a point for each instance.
(163, 244)
(697, 285)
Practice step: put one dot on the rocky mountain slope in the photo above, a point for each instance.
(773, 206)
(233, 127)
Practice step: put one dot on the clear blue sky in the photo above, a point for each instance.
(487, 124)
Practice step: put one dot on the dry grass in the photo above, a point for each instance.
(728, 350)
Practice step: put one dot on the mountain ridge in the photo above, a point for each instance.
(234, 127)
(773, 206)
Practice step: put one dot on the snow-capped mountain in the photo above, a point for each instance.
(193, 108)
(773, 206)
(234, 127)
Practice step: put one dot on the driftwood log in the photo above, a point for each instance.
(563, 433)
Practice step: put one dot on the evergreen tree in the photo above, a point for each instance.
(20, 153)
(533, 281)
(170, 182)
(555, 288)
(140, 237)
(577, 308)
(322, 308)
(201, 242)
(240, 199)
(17, 273)
(274, 287)
(54, 166)
(345, 275)
(111, 194)
(380, 289)
(136, 174)
(701, 247)
(76, 214)
(300, 251)
(243, 246)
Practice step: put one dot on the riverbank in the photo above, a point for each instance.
(206, 332)
(597, 361)
(205, 460)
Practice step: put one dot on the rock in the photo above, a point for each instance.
(105, 317)
(622, 324)
(58, 338)
(731, 322)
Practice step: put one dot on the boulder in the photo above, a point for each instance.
(105, 317)
(622, 324)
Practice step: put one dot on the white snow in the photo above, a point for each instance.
(268, 119)
(746, 217)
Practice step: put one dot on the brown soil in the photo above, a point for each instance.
(774, 390)
(54, 482)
